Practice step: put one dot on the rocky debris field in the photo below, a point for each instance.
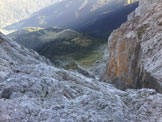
(33, 90)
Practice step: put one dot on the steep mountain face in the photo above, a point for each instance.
(61, 44)
(32, 90)
(15, 10)
(136, 49)
(104, 23)
(81, 15)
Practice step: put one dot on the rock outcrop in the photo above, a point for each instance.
(136, 49)
(33, 90)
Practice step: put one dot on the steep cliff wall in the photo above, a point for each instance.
(136, 49)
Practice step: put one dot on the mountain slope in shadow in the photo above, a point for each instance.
(80, 16)
(61, 44)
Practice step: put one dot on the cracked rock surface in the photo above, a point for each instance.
(136, 49)
(33, 90)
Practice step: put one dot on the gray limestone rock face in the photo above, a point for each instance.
(99, 68)
(33, 90)
(136, 49)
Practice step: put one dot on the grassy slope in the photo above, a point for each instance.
(61, 45)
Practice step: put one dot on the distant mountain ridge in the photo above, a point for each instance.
(78, 15)
(131, 1)
(77, 37)
(20, 10)
(15, 10)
